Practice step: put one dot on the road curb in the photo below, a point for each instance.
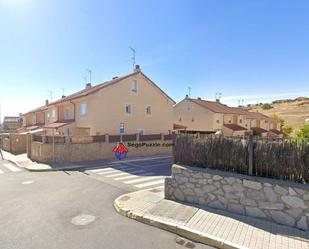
(180, 230)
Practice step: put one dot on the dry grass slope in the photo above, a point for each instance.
(294, 113)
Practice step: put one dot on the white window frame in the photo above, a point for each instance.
(146, 110)
(48, 117)
(33, 119)
(66, 113)
(134, 87)
(53, 113)
(125, 109)
(83, 109)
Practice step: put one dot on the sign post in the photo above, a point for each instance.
(121, 131)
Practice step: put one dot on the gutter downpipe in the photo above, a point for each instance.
(74, 109)
(53, 145)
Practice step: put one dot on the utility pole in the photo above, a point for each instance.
(133, 56)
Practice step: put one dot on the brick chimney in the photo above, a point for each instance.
(137, 68)
(88, 85)
(46, 102)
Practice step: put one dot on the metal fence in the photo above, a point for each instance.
(285, 160)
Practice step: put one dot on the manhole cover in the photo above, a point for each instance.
(27, 182)
(83, 220)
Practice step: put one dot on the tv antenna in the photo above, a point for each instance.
(90, 72)
(133, 56)
(218, 96)
(50, 93)
(189, 92)
(62, 91)
(85, 79)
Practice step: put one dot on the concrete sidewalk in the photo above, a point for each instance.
(24, 162)
(216, 228)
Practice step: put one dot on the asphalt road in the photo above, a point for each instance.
(72, 209)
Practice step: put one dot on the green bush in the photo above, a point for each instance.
(303, 133)
(266, 106)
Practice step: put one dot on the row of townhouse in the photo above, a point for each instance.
(212, 116)
(143, 107)
(133, 99)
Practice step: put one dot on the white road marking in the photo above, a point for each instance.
(147, 184)
(143, 179)
(134, 176)
(11, 167)
(27, 182)
(114, 171)
(126, 173)
(105, 169)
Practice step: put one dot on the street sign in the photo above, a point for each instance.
(121, 128)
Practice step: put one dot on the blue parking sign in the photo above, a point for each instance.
(121, 128)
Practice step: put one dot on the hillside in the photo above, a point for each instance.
(294, 112)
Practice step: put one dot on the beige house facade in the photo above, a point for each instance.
(134, 100)
(211, 116)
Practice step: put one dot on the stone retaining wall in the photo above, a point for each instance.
(283, 202)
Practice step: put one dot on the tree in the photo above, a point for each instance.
(279, 120)
(287, 129)
(303, 133)
(266, 106)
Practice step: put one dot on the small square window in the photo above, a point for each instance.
(128, 109)
(66, 113)
(230, 121)
(53, 113)
(218, 121)
(179, 119)
(134, 86)
(83, 109)
(240, 121)
(148, 110)
(192, 119)
(189, 107)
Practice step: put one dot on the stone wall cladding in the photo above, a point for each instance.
(283, 202)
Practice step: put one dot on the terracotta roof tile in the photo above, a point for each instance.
(214, 106)
(218, 107)
(276, 132)
(94, 89)
(258, 130)
(58, 124)
(179, 127)
(235, 127)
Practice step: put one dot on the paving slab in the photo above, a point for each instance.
(217, 228)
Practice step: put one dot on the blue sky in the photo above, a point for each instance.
(252, 50)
